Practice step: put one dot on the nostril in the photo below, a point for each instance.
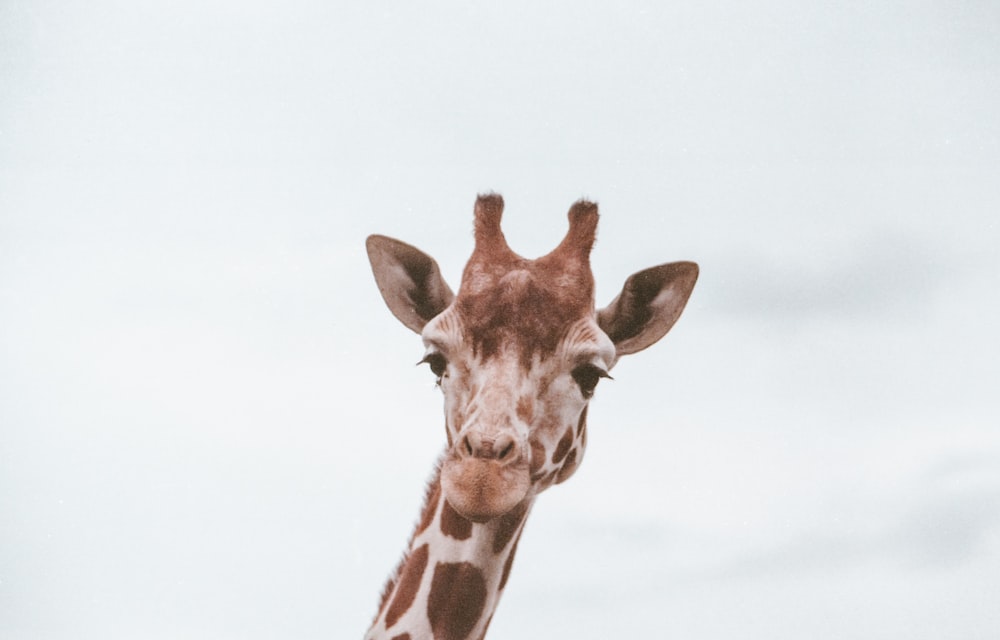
(501, 448)
(506, 451)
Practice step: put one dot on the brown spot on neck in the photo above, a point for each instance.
(508, 524)
(453, 524)
(409, 583)
(457, 600)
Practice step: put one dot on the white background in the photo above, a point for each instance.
(211, 427)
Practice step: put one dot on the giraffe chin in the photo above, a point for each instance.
(481, 490)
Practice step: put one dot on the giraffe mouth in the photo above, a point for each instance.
(481, 490)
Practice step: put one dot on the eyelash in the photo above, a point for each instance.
(438, 364)
(587, 376)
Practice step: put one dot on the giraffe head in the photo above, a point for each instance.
(519, 350)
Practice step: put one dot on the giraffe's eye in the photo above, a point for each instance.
(587, 376)
(437, 362)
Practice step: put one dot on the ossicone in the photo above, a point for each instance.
(488, 211)
(582, 231)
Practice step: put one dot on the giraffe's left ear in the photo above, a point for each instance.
(409, 280)
(649, 304)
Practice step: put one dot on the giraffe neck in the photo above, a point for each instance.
(452, 576)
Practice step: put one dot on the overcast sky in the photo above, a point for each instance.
(211, 427)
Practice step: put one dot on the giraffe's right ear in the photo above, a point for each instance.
(649, 304)
(409, 281)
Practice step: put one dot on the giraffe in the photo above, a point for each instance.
(517, 354)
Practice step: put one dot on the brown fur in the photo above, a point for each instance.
(537, 458)
(453, 524)
(534, 317)
(508, 300)
(525, 408)
(409, 583)
(509, 523)
(563, 447)
(456, 601)
(567, 468)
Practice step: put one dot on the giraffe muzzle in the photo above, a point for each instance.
(485, 476)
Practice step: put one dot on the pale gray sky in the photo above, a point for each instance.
(211, 427)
